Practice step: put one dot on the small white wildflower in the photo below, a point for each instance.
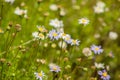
(41, 28)
(75, 42)
(97, 35)
(20, 12)
(113, 35)
(100, 4)
(35, 34)
(10, 1)
(87, 52)
(53, 7)
(41, 36)
(66, 38)
(99, 65)
(54, 68)
(56, 23)
(83, 21)
(62, 44)
(39, 75)
(98, 9)
(62, 12)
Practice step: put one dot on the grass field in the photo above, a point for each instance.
(59, 39)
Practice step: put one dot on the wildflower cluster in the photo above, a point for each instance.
(53, 34)
(40, 34)
(53, 68)
(51, 52)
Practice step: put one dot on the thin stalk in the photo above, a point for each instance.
(19, 45)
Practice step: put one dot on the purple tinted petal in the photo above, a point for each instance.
(100, 72)
(99, 46)
(104, 70)
(108, 77)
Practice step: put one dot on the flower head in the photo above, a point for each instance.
(53, 7)
(53, 34)
(1, 31)
(62, 44)
(83, 21)
(41, 36)
(41, 28)
(38, 35)
(10, 1)
(99, 65)
(20, 12)
(39, 75)
(54, 68)
(56, 23)
(35, 34)
(96, 49)
(100, 4)
(100, 7)
(110, 54)
(66, 38)
(75, 42)
(87, 52)
(103, 74)
(113, 35)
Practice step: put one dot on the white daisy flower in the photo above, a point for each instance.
(41, 36)
(62, 44)
(10, 1)
(35, 34)
(98, 9)
(75, 42)
(87, 52)
(39, 75)
(83, 21)
(56, 23)
(100, 4)
(62, 12)
(99, 65)
(113, 35)
(20, 12)
(53, 7)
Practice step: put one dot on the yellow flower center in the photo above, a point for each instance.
(55, 68)
(104, 74)
(41, 35)
(74, 41)
(0, 30)
(56, 22)
(63, 34)
(96, 48)
(41, 29)
(54, 34)
(67, 38)
(40, 74)
(83, 20)
(98, 8)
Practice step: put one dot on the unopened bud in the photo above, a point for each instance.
(9, 63)
(18, 27)
(10, 24)
(85, 69)
(2, 60)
